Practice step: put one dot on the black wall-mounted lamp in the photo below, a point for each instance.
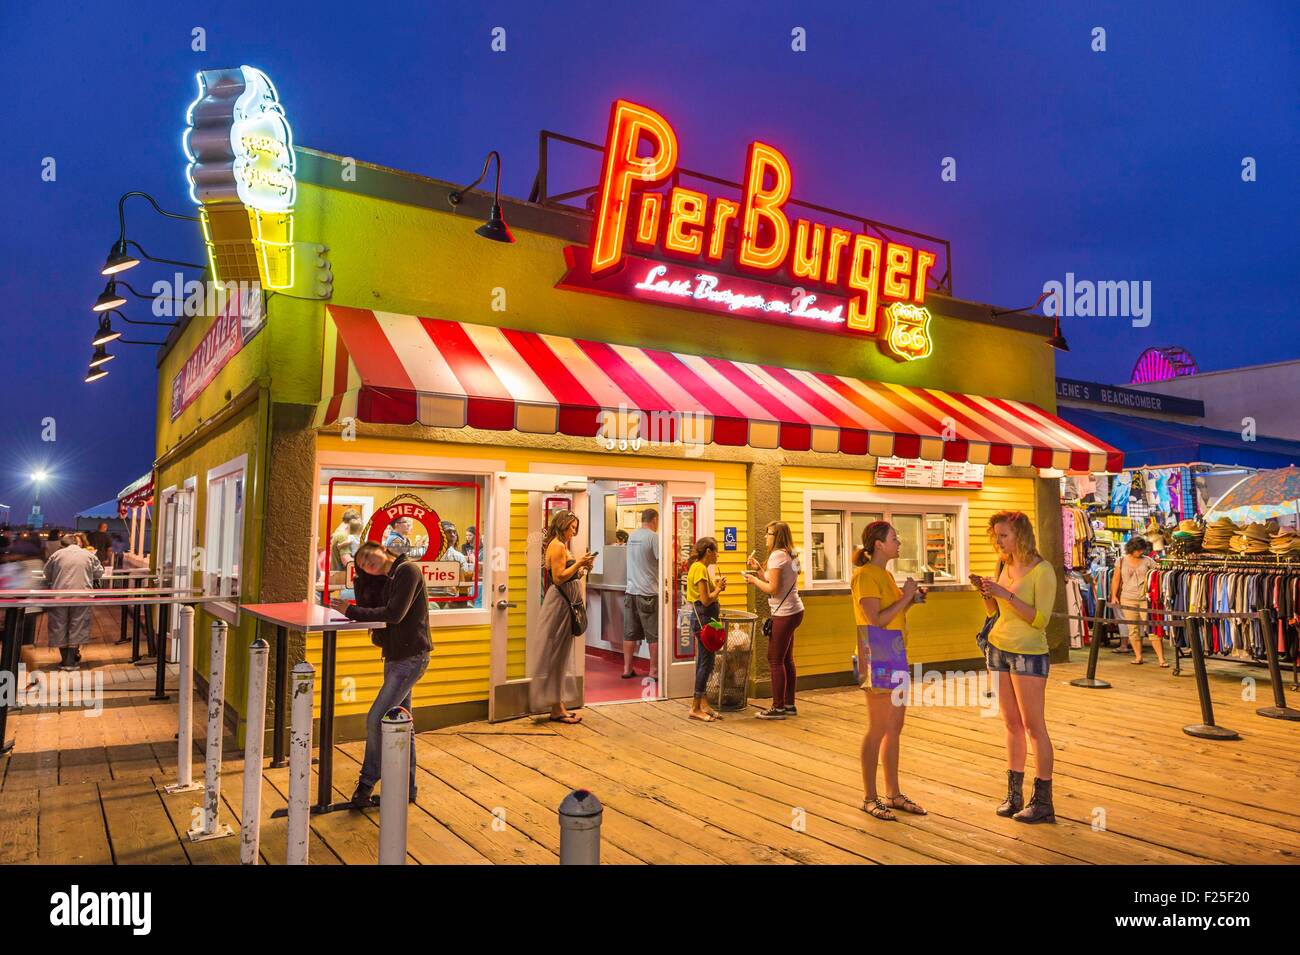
(495, 228)
(119, 256)
(1057, 340)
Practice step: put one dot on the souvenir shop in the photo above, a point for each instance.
(1240, 552)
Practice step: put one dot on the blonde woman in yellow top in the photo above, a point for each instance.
(878, 601)
(1023, 597)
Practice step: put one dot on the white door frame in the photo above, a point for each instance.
(507, 699)
(678, 676)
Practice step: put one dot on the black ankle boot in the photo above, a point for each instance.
(1040, 807)
(1015, 800)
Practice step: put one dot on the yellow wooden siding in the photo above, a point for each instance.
(943, 628)
(518, 583)
(459, 670)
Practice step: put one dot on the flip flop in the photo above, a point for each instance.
(571, 720)
(630, 676)
(703, 717)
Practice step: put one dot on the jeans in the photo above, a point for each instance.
(400, 676)
(780, 658)
(704, 658)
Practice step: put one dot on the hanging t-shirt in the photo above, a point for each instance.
(1119, 493)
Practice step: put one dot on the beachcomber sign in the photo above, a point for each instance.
(804, 273)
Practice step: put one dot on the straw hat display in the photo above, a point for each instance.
(1284, 543)
(1219, 535)
(1254, 540)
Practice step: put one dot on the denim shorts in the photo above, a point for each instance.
(1024, 664)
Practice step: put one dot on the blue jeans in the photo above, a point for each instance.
(704, 658)
(400, 677)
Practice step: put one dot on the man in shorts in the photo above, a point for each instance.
(641, 600)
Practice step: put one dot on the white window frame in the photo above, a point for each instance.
(848, 502)
(429, 469)
(214, 537)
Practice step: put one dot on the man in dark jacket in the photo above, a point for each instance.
(390, 589)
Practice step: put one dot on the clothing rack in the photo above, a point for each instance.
(1207, 728)
(1228, 563)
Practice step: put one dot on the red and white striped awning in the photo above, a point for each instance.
(384, 368)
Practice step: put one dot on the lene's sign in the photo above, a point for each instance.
(844, 278)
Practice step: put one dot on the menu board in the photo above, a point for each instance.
(640, 492)
(907, 472)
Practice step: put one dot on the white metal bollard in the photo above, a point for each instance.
(580, 817)
(185, 717)
(394, 785)
(303, 681)
(250, 829)
(211, 827)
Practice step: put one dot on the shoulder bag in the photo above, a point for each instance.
(982, 638)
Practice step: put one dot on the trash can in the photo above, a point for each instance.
(728, 687)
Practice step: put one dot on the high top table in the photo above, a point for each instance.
(306, 617)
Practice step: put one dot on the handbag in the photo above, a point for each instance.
(577, 615)
(885, 654)
(982, 638)
(767, 623)
(711, 638)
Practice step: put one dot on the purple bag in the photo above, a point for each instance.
(885, 655)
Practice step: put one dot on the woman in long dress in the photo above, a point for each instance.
(562, 575)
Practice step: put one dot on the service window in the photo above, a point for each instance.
(224, 534)
(434, 520)
(928, 539)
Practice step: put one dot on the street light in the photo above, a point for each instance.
(495, 228)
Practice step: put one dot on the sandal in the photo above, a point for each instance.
(877, 808)
(572, 719)
(903, 804)
(1164, 665)
(629, 676)
(703, 717)
(1136, 663)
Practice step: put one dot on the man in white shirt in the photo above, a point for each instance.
(641, 599)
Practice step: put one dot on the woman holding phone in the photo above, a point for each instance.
(778, 583)
(878, 601)
(1022, 597)
(561, 584)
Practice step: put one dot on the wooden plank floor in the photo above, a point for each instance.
(1131, 787)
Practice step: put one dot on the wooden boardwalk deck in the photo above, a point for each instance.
(1131, 787)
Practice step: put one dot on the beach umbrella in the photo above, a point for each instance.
(1262, 496)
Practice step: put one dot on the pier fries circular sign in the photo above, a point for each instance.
(668, 247)
(407, 525)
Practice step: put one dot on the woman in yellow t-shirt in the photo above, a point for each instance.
(1023, 597)
(703, 590)
(878, 601)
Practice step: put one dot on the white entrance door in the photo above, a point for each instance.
(688, 516)
(520, 503)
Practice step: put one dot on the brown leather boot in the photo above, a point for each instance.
(1040, 807)
(1015, 800)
